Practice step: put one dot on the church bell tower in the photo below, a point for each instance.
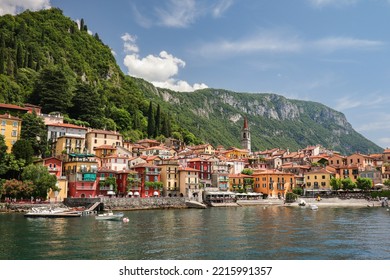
(246, 136)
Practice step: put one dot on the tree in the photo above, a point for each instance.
(42, 180)
(18, 189)
(166, 126)
(87, 105)
(247, 171)
(348, 184)
(110, 182)
(151, 121)
(121, 117)
(19, 56)
(34, 130)
(22, 149)
(3, 155)
(363, 183)
(2, 54)
(335, 183)
(82, 24)
(386, 182)
(52, 90)
(157, 130)
(14, 167)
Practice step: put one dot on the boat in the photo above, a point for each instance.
(109, 216)
(313, 207)
(44, 212)
(302, 203)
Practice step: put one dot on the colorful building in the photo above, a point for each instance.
(273, 183)
(97, 137)
(189, 183)
(170, 177)
(80, 171)
(318, 180)
(204, 167)
(150, 179)
(10, 128)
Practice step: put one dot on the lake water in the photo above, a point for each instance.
(233, 233)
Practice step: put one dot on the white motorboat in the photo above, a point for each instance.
(109, 216)
(313, 207)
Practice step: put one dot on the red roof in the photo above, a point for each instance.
(11, 106)
(7, 116)
(67, 125)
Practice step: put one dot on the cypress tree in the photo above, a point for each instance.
(157, 130)
(2, 68)
(151, 121)
(2, 55)
(19, 56)
(30, 59)
(82, 24)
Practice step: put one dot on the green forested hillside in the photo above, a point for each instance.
(46, 59)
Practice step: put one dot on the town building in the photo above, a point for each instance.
(246, 136)
(97, 137)
(189, 183)
(10, 129)
(150, 179)
(273, 183)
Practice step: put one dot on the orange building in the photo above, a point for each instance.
(273, 183)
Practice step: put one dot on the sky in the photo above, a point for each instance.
(335, 52)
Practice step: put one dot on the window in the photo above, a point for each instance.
(3, 123)
(14, 133)
(15, 124)
(3, 131)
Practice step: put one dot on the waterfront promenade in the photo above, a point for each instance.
(127, 204)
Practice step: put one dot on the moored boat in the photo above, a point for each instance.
(109, 216)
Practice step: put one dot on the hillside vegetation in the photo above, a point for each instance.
(46, 59)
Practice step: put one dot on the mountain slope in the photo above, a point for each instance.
(216, 116)
(35, 46)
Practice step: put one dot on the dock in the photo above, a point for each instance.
(53, 215)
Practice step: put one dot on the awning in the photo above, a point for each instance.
(136, 193)
(111, 193)
(155, 193)
(130, 193)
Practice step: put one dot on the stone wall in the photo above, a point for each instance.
(76, 202)
(143, 203)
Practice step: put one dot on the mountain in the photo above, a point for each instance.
(216, 116)
(47, 59)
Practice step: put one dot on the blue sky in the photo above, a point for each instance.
(335, 52)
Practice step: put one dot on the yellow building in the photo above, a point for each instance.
(10, 129)
(237, 182)
(273, 183)
(68, 144)
(318, 180)
(235, 153)
(189, 183)
(170, 177)
(96, 138)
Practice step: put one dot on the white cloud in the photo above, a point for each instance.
(153, 68)
(324, 3)
(284, 41)
(345, 103)
(266, 42)
(331, 44)
(129, 43)
(158, 70)
(221, 7)
(178, 13)
(17, 6)
(179, 85)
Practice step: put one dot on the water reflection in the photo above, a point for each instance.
(216, 233)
